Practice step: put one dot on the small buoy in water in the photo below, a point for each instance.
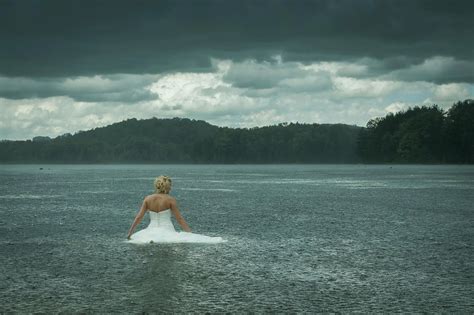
(41, 168)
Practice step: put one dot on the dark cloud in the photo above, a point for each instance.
(266, 76)
(250, 74)
(438, 70)
(106, 88)
(69, 38)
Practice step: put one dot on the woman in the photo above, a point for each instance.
(161, 229)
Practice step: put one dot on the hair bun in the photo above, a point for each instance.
(163, 184)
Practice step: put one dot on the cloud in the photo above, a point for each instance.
(254, 75)
(88, 38)
(449, 93)
(396, 107)
(438, 70)
(99, 88)
(320, 92)
(363, 88)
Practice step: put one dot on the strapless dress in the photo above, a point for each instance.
(161, 230)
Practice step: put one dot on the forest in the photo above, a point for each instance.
(182, 140)
(425, 134)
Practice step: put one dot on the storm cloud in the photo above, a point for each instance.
(106, 88)
(70, 38)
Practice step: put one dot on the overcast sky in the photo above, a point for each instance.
(74, 65)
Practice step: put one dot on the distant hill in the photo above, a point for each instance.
(425, 134)
(181, 140)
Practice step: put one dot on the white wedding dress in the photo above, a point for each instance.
(161, 230)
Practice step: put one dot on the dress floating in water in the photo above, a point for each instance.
(161, 230)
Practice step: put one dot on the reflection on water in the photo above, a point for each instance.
(301, 238)
(159, 276)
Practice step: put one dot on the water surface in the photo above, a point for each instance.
(301, 238)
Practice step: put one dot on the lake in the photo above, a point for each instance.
(300, 238)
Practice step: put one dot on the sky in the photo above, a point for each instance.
(75, 65)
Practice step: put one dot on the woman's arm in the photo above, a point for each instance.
(138, 218)
(175, 210)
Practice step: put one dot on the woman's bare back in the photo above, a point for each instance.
(159, 202)
(162, 202)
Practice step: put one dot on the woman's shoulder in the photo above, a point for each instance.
(159, 196)
(148, 197)
(171, 198)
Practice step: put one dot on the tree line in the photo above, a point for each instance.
(425, 134)
(181, 140)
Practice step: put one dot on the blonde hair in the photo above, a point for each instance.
(163, 184)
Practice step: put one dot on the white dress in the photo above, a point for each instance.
(161, 230)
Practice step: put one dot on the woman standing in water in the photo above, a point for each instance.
(160, 205)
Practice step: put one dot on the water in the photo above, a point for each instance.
(312, 238)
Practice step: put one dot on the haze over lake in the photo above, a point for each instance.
(301, 238)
